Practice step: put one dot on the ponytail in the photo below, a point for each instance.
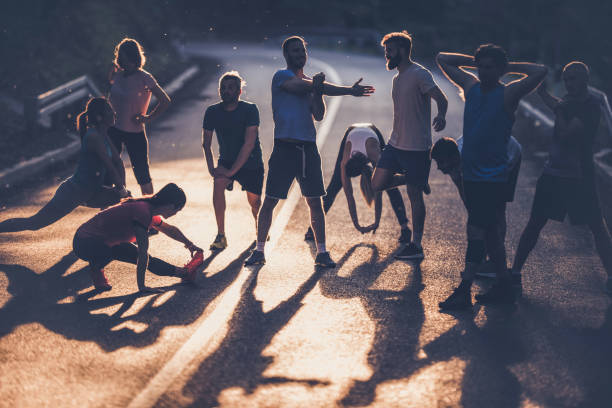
(81, 124)
(366, 184)
(95, 107)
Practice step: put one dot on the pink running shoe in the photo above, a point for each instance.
(192, 267)
(99, 280)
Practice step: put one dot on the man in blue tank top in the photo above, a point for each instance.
(488, 117)
(297, 100)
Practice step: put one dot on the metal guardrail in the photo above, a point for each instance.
(38, 110)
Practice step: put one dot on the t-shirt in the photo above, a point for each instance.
(514, 150)
(574, 159)
(291, 112)
(115, 225)
(90, 171)
(230, 127)
(412, 109)
(130, 96)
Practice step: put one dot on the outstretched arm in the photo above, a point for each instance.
(297, 85)
(452, 65)
(439, 122)
(176, 234)
(317, 104)
(206, 146)
(533, 74)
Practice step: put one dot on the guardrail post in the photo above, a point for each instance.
(30, 112)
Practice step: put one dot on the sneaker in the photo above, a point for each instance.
(309, 236)
(517, 284)
(153, 231)
(230, 186)
(256, 258)
(99, 280)
(405, 236)
(427, 189)
(500, 293)
(458, 300)
(410, 251)
(323, 259)
(191, 267)
(219, 243)
(486, 270)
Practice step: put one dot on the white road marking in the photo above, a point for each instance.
(211, 331)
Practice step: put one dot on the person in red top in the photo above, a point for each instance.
(111, 235)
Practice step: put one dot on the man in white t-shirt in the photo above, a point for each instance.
(408, 149)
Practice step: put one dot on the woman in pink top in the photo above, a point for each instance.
(130, 94)
(111, 234)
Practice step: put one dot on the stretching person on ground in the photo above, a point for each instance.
(236, 124)
(111, 233)
(359, 152)
(297, 101)
(447, 154)
(567, 184)
(410, 142)
(97, 158)
(488, 117)
(130, 94)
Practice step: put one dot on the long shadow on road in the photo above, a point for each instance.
(238, 362)
(51, 300)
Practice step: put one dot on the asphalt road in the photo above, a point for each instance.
(367, 333)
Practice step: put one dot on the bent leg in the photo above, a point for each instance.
(219, 185)
(528, 240)
(264, 219)
(397, 204)
(417, 204)
(128, 253)
(317, 218)
(255, 203)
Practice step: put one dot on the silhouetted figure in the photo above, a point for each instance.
(296, 101)
(447, 154)
(110, 235)
(236, 124)
(567, 184)
(97, 158)
(130, 94)
(359, 152)
(408, 149)
(487, 122)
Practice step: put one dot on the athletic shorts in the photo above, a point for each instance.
(251, 180)
(484, 201)
(556, 197)
(289, 161)
(138, 149)
(414, 165)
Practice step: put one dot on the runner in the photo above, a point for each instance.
(109, 235)
(487, 122)
(410, 142)
(359, 152)
(567, 184)
(447, 154)
(130, 94)
(97, 158)
(296, 101)
(236, 123)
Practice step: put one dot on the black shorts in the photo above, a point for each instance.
(484, 202)
(291, 161)
(415, 165)
(251, 180)
(138, 149)
(556, 197)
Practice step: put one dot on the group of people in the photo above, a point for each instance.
(483, 164)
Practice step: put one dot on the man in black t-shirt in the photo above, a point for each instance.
(236, 124)
(567, 185)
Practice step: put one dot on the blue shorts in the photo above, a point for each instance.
(414, 165)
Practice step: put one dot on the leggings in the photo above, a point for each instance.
(335, 185)
(98, 254)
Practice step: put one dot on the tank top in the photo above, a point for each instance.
(90, 170)
(358, 137)
(486, 132)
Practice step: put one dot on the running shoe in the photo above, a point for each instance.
(500, 293)
(99, 280)
(219, 243)
(256, 258)
(405, 236)
(460, 299)
(191, 267)
(323, 259)
(410, 251)
(153, 231)
(309, 236)
(427, 189)
(230, 186)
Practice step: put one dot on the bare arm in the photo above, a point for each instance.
(142, 241)
(300, 86)
(452, 65)
(177, 235)
(163, 101)
(206, 146)
(439, 122)
(348, 187)
(250, 136)
(533, 74)
(96, 145)
(377, 210)
(457, 179)
(116, 159)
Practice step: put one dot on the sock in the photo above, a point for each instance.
(260, 246)
(321, 247)
(417, 237)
